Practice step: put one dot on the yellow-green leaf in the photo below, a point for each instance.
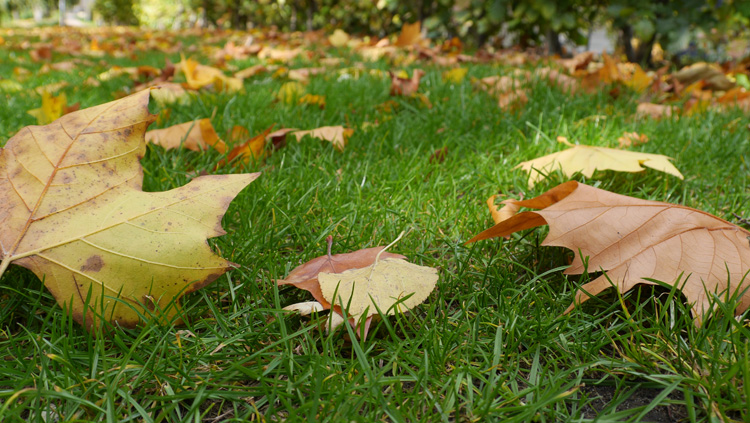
(73, 212)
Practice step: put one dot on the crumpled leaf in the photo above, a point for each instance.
(73, 212)
(710, 73)
(337, 135)
(633, 240)
(199, 76)
(197, 136)
(587, 159)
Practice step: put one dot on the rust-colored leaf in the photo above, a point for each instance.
(635, 241)
(197, 136)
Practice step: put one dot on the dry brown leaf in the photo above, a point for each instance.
(506, 212)
(303, 74)
(654, 111)
(710, 73)
(512, 100)
(254, 148)
(197, 136)
(405, 86)
(633, 240)
(579, 61)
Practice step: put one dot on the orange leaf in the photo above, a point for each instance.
(633, 240)
(410, 34)
(197, 136)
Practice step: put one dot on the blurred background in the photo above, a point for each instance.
(642, 31)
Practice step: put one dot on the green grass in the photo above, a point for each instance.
(489, 344)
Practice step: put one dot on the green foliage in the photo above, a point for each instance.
(119, 12)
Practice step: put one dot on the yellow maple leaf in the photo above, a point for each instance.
(587, 159)
(72, 210)
(196, 136)
(199, 76)
(52, 108)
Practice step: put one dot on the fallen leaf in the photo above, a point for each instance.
(305, 276)
(303, 74)
(338, 135)
(631, 139)
(339, 38)
(636, 241)
(199, 76)
(654, 111)
(10, 86)
(389, 285)
(506, 212)
(410, 35)
(279, 55)
(73, 212)
(710, 73)
(52, 108)
(512, 100)
(251, 71)
(315, 100)
(254, 148)
(405, 86)
(588, 159)
(170, 93)
(455, 75)
(579, 61)
(197, 136)
(290, 92)
(278, 137)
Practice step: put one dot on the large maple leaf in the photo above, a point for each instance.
(73, 212)
(638, 241)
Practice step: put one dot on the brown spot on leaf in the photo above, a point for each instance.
(93, 264)
(148, 302)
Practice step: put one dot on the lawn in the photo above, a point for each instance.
(489, 344)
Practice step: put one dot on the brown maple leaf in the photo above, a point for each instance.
(638, 241)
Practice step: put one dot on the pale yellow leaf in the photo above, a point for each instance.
(381, 286)
(587, 159)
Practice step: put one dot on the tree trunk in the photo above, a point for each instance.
(310, 14)
(642, 54)
(553, 43)
(293, 17)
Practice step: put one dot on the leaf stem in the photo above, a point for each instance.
(377, 257)
(4, 264)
